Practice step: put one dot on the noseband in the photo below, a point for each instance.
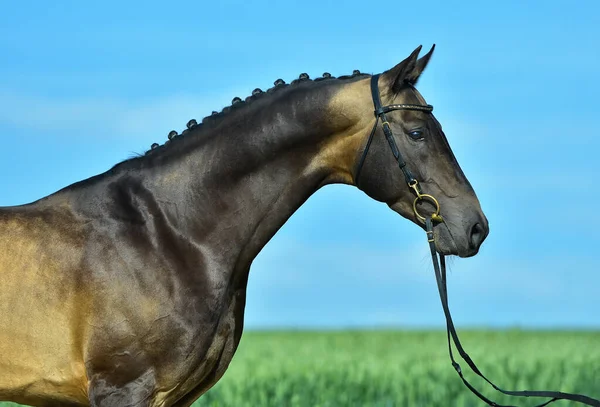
(439, 261)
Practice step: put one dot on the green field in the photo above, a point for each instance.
(402, 368)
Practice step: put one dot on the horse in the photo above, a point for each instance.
(128, 288)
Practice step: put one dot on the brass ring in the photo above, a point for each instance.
(436, 214)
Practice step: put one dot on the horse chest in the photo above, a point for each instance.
(214, 356)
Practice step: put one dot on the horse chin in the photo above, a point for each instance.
(446, 244)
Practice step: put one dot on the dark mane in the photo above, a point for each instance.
(193, 128)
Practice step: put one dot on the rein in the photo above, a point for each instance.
(439, 261)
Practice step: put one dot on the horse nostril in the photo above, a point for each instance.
(477, 235)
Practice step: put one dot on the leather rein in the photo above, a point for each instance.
(439, 261)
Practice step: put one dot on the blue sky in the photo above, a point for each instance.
(515, 86)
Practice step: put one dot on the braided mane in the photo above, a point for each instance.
(237, 102)
(193, 126)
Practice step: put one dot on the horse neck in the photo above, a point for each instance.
(235, 191)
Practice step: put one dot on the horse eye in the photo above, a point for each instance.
(416, 134)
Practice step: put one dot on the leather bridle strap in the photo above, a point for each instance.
(440, 275)
(387, 131)
(439, 263)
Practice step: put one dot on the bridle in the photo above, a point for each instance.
(380, 112)
(439, 261)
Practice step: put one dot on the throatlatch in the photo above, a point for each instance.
(439, 261)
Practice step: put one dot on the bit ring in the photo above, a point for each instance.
(435, 216)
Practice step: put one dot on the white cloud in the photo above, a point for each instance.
(134, 118)
(39, 112)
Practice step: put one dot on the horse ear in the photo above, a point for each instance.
(407, 71)
(420, 66)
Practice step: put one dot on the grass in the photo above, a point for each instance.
(402, 368)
